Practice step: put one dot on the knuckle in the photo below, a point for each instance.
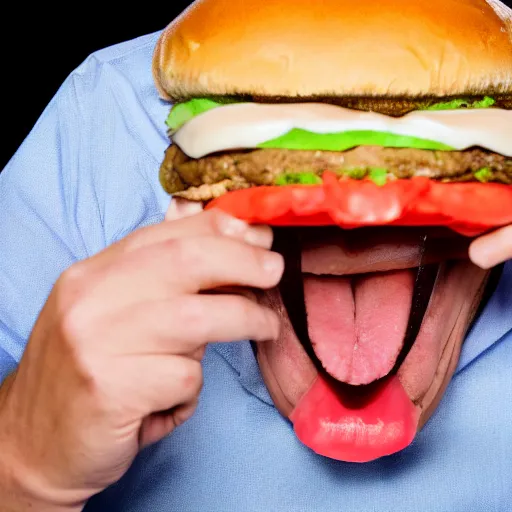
(89, 377)
(72, 288)
(257, 260)
(72, 279)
(227, 225)
(215, 218)
(75, 334)
(138, 238)
(74, 324)
(132, 241)
(68, 293)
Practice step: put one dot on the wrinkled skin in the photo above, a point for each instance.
(376, 255)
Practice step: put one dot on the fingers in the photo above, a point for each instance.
(212, 222)
(156, 426)
(160, 383)
(491, 249)
(214, 262)
(183, 266)
(184, 325)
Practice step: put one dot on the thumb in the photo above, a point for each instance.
(491, 249)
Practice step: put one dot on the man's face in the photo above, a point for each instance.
(358, 293)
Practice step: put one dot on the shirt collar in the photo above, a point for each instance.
(240, 356)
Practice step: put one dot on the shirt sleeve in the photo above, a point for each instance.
(86, 175)
(39, 237)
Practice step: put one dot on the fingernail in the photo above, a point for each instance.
(273, 264)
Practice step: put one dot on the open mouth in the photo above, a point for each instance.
(337, 311)
(358, 330)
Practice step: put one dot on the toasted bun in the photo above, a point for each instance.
(308, 48)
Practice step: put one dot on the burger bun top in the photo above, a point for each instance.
(307, 48)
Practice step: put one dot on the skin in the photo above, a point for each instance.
(427, 370)
(86, 347)
(491, 249)
(137, 308)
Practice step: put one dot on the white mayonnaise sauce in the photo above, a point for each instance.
(246, 125)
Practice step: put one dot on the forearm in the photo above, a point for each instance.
(19, 488)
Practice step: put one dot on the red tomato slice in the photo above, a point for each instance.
(467, 208)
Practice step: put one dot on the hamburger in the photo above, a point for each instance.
(355, 115)
(406, 104)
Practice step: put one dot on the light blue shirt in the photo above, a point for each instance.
(86, 176)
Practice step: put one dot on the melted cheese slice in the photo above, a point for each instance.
(247, 125)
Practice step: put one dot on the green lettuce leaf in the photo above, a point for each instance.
(487, 102)
(378, 175)
(483, 175)
(305, 140)
(355, 173)
(298, 178)
(184, 112)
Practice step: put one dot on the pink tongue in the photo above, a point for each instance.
(357, 328)
(356, 425)
(357, 325)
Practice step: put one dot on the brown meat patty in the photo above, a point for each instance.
(209, 177)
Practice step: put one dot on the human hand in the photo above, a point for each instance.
(113, 362)
(493, 248)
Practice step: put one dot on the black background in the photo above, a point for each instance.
(39, 50)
